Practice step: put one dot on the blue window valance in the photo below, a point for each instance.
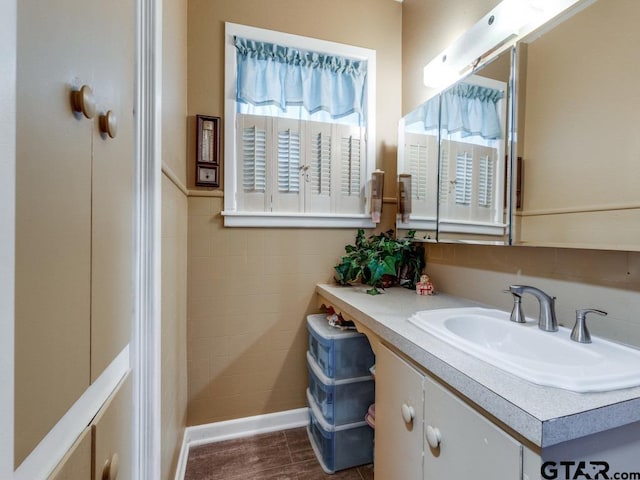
(270, 74)
(471, 110)
(427, 115)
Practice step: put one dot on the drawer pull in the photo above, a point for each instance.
(408, 413)
(111, 467)
(433, 436)
(83, 102)
(108, 124)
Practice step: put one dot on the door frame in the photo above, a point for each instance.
(146, 337)
(8, 27)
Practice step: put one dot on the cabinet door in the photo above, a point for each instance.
(112, 186)
(470, 446)
(398, 445)
(76, 465)
(53, 218)
(112, 435)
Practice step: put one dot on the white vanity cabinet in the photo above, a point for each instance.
(399, 397)
(444, 437)
(461, 444)
(484, 423)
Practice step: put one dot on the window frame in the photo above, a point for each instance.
(238, 218)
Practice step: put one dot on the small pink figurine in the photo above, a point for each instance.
(424, 286)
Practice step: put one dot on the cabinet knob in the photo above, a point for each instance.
(108, 123)
(111, 467)
(408, 413)
(433, 436)
(82, 101)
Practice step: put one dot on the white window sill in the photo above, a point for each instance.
(417, 223)
(477, 228)
(299, 220)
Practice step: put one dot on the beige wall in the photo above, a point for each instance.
(174, 235)
(250, 289)
(174, 324)
(428, 27)
(578, 278)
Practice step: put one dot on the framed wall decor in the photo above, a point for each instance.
(208, 151)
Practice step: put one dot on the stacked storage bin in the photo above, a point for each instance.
(341, 389)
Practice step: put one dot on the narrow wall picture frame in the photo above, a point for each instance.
(208, 151)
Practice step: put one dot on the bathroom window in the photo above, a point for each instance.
(299, 136)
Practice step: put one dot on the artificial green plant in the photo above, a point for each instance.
(381, 260)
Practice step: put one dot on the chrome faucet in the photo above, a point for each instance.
(547, 318)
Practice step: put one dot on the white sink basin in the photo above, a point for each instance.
(544, 358)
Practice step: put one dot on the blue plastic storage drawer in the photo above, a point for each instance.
(340, 401)
(340, 447)
(339, 353)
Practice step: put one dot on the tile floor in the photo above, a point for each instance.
(284, 455)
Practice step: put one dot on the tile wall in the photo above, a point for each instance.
(174, 328)
(607, 280)
(250, 290)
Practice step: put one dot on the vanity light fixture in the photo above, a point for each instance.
(508, 21)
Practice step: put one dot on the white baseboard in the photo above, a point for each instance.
(238, 428)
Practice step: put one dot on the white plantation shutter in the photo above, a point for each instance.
(473, 196)
(445, 174)
(320, 169)
(254, 165)
(464, 177)
(417, 155)
(296, 166)
(287, 193)
(253, 146)
(421, 162)
(288, 161)
(351, 168)
(487, 204)
(320, 164)
(486, 181)
(350, 165)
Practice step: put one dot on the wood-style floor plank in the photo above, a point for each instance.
(284, 455)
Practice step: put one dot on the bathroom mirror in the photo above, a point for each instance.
(579, 131)
(475, 153)
(453, 160)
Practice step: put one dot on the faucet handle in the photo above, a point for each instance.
(517, 315)
(580, 332)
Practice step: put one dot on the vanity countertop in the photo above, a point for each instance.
(543, 415)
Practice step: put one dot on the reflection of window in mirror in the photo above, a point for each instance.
(472, 145)
(456, 147)
(418, 157)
